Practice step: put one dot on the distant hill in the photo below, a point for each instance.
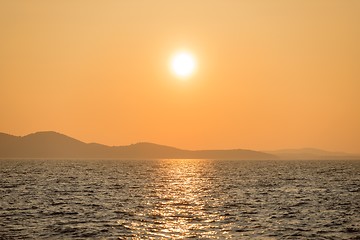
(311, 154)
(56, 145)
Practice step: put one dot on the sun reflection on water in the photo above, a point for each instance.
(176, 202)
(181, 205)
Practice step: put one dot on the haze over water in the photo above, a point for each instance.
(210, 199)
(215, 79)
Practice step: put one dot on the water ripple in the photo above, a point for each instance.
(177, 199)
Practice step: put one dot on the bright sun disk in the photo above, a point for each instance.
(183, 64)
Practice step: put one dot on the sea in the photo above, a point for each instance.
(179, 199)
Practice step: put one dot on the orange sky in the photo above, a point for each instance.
(271, 74)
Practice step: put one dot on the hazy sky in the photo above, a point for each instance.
(271, 74)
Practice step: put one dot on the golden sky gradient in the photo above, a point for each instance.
(270, 74)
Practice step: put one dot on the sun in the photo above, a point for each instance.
(183, 64)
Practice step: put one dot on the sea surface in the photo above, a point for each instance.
(179, 199)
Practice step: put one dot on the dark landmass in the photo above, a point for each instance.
(56, 145)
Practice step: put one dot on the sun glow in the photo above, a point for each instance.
(183, 64)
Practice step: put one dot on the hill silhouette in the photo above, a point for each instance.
(56, 145)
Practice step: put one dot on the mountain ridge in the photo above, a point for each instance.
(49, 144)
